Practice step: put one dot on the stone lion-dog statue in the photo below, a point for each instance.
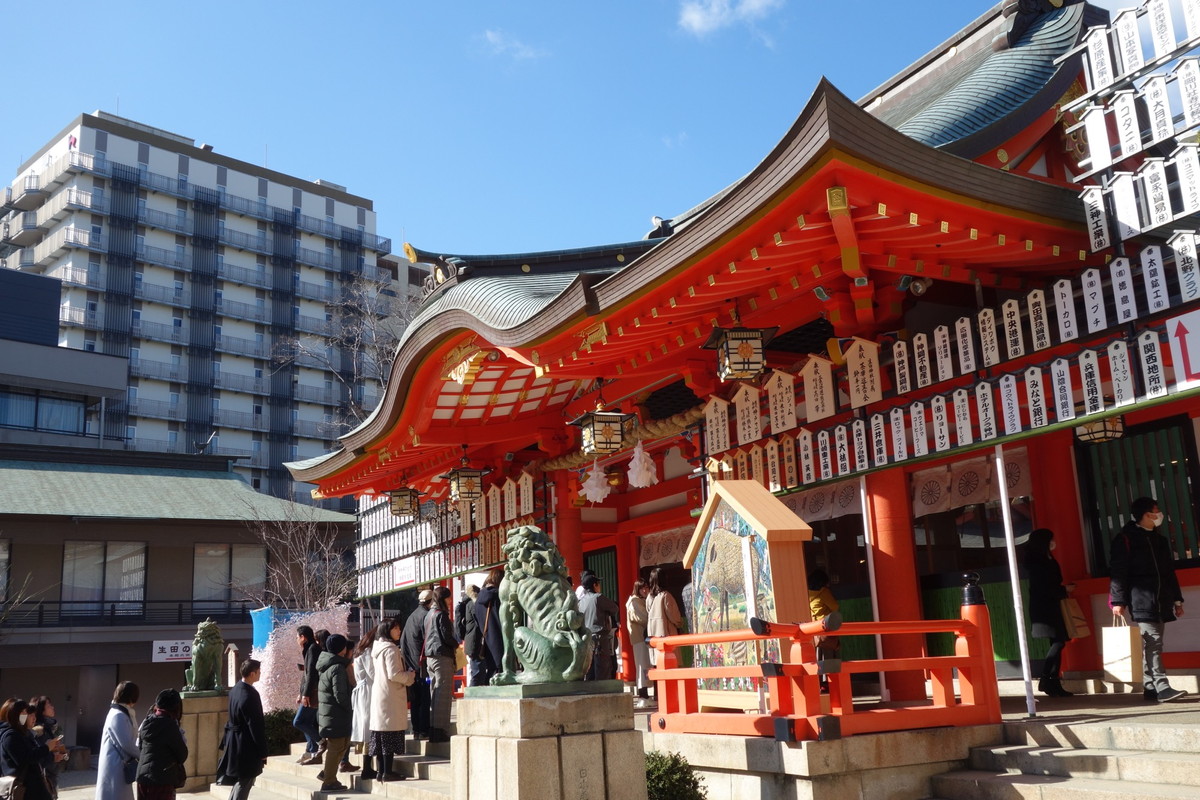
(207, 649)
(552, 645)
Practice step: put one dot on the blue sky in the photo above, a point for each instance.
(476, 127)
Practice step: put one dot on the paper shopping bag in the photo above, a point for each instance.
(1121, 646)
(1076, 622)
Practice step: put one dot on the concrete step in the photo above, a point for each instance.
(1159, 735)
(1181, 769)
(983, 785)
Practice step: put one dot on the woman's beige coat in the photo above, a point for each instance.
(389, 697)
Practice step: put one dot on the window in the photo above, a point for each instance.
(132, 393)
(172, 438)
(178, 287)
(173, 399)
(176, 322)
(103, 577)
(217, 331)
(223, 573)
(18, 410)
(89, 345)
(130, 432)
(42, 412)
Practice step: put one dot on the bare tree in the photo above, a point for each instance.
(16, 602)
(366, 321)
(309, 565)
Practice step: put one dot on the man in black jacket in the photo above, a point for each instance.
(412, 644)
(1143, 580)
(245, 746)
(466, 628)
(335, 711)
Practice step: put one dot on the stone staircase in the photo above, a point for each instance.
(1125, 758)
(425, 767)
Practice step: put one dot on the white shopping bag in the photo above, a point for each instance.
(1121, 646)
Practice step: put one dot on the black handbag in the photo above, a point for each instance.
(130, 770)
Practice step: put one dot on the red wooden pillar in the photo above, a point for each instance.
(896, 575)
(568, 525)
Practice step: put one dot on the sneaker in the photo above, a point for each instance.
(1150, 696)
(1167, 695)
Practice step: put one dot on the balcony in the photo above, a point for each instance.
(242, 347)
(176, 334)
(25, 195)
(168, 295)
(70, 315)
(159, 409)
(78, 276)
(316, 291)
(145, 368)
(240, 383)
(314, 325)
(315, 394)
(242, 275)
(256, 243)
(242, 420)
(123, 613)
(175, 259)
(232, 308)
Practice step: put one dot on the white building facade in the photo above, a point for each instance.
(200, 269)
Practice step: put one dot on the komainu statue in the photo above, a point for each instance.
(552, 645)
(208, 646)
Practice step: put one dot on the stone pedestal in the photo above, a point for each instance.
(548, 742)
(204, 717)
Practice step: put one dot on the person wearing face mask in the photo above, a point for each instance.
(1142, 570)
(1046, 591)
(117, 745)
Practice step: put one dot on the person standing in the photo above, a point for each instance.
(466, 628)
(164, 750)
(1143, 581)
(487, 615)
(21, 756)
(45, 730)
(600, 616)
(117, 745)
(306, 701)
(388, 699)
(412, 642)
(1046, 593)
(245, 749)
(360, 697)
(635, 623)
(662, 613)
(335, 710)
(440, 645)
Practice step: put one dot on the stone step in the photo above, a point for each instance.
(1100, 764)
(1159, 735)
(983, 785)
(298, 787)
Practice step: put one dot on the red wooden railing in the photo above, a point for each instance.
(793, 687)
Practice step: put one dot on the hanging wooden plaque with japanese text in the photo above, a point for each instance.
(1162, 28)
(965, 336)
(741, 465)
(1187, 80)
(758, 472)
(862, 445)
(716, 425)
(1060, 383)
(1014, 337)
(1093, 300)
(1089, 380)
(1097, 218)
(1187, 168)
(774, 468)
(1129, 40)
(922, 363)
(1191, 17)
(1010, 405)
(1154, 279)
(862, 373)
(1150, 355)
(1129, 130)
(781, 401)
(1039, 322)
(941, 424)
(1035, 398)
(510, 499)
(817, 375)
(841, 446)
(879, 440)
(899, 439)
(804, 446)
(1153, 175)
(1122, 373)
(1121, 280)
(1099, 61)
(824, 456)
(525, 485)
(920, 435)
(985, 409)
(1183, 246)
(989, 343)
(787, 460)
(942, 353)
(1064, 307)
(962, 418)
(749, 419)
(900, 367)
(1095, 128)
(1125, 202)
(495, 511)
(1158, 104)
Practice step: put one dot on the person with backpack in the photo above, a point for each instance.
(466, 628)
(1142, 580)
(440, 645)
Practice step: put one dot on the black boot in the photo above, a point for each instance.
(644, 693)
(368, 771)
(1057, 689)
(386, 769)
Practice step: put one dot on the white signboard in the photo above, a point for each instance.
(774, 469)
(1183, 246)
(1153, 175)
(941, 424)
(1035, 398)
(1122, 373)
(787, 457)
(1039, 323)
(1129, 130)
(862, 445)
(899, 441)
(1100, 66)
(1121, 276)
(1125, 199)
(985, 407)
(965, 336)
(1154, 279)
(922, 363)
(1089, 378)
(841, 445)
(749, 419)
(1064, 307)
(781, 401)
(1187, 167)
(1010, 405)
(824, 456)
(1097, 218)
(920, 436)
(1153, 379)
(1191, 16)
(804, 447)
(879, 440)
(1162, 27)
(1014, 337)
(1095, 128)
(817, 375)
(1183, 334)
(989, 343)
(404, 572)
(941, 350)
(862, 373)
(1154, 95)
(900, 367)
(1060, 381)
(1129, 41)
(716, 425)
(962, 418)
(1187, 81)
(1093, 301)
(171, 650)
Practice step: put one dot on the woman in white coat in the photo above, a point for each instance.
(118, 744)
(635, 620)
(360, 698)
(389, 697)
(662, 613)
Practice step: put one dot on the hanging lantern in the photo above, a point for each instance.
(604, 432)
(740, 351)
(466, 483)
(405, 502)
(1102, 430)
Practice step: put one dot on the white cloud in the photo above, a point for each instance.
(504, 45)
(702, 17)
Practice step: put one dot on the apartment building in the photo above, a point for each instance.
(205, 271)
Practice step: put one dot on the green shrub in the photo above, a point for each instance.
(280, 733)
(670, 777)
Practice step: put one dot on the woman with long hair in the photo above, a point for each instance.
(389, 699)
(487, 615)
(360, 697)
(45, 730)
(164, 750)
(117, 745)
(635, 620)
(1046, 592)
(440, 644)
(662, 613)
(21, 756)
